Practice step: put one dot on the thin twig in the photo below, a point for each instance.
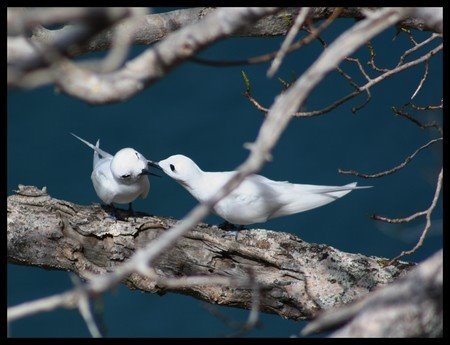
(433, 124)
(361, 68)
(394, 169)
(340, 71)
(365, 87)
(84, 308)
(428, 213)
(398, 220)
(362, 105)
(416, 47)
(299, 21)
(427, 107)
(425, 75)
(269, 56)
(411, 37)
(371, 61)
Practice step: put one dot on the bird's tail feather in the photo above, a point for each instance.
(347, 187)
(96, 148)
(314, 196)
(96, 155)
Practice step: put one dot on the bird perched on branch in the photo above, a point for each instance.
(257, 199)
(120, 178)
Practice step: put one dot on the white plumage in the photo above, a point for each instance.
(257, 199)
(120, 178)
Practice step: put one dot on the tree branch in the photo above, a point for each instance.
(157, 26)
(410, 307)
(359, 89)
(155, 62)
(394, 169)
(296, 278)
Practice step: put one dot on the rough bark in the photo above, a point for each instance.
(410, 307)
(158, 26)
(298, 279)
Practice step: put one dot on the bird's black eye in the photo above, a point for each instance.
(172, 167)
(137, 154)
(125, 176)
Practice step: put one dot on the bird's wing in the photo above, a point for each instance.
(303, 197)
(103, 181)
(146, 188)
(102, 153)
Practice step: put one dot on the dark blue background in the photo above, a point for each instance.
(200, 111)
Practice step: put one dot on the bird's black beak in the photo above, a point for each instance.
(151, 164)
(146, 172)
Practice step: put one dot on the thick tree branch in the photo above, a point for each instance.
(156, 62)
(296, 278)
(410, 307)
(157, 26)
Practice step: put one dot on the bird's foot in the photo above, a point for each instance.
(231, 229)
(227, 226)
(113, 213)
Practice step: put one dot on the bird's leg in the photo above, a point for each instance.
(231, 229)
(114, 214)
(130, 209)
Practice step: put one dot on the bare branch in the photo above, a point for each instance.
(97, 20)
(416, 47)
(425, 75)
(84, 308)
(313, 34)
(361, 68)
(410, 307)
(64, 300)
(428, 107)
(58, 234)
(372, 59)
(156, 26)
(394, 169)
(299, 21)
(399, 220)
(155, 62)
(428, 213)
(365, 87)
(373, 82)
(122, 39)
(362, 105)
(433, 124)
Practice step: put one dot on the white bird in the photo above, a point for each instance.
(120, 178)
(257, 199)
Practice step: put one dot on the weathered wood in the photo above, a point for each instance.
(298, 279)
(410, 307)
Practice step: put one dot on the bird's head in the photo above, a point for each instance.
(180, 168)
(128, 166)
